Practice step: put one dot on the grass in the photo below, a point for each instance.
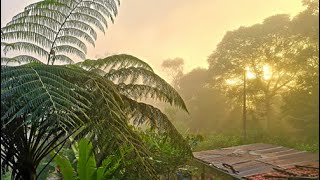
(220, 140)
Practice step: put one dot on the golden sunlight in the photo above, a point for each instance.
(250, 74)
(232, 81)
(267, 72)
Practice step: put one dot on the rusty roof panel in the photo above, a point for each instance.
(254, 159)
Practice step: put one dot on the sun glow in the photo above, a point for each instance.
(267, 72)
(250, 74)
(232, 81)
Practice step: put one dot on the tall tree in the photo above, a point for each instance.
(274, 53)
(301, 105)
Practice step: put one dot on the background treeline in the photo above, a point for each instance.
(281, 104)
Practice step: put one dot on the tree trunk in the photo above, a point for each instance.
(28, 172)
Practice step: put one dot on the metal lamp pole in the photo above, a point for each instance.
(244, 107)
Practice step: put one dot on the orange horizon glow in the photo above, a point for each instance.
(158, 30)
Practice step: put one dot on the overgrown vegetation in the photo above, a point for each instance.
(47, 107)
(91, 119)
(222, 140)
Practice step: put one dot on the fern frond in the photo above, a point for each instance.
(51, 23)
(72, 40)
(55, 14)
(70, 49)
(110, 4)
(6, 60)
(40, 92)
(43, 20)
(28, 47)
(88, 19)
(77, 33)
(64, 58)
(115, 62)
(94, 13)
(20, 59)
(62, 6)
(109, 122)
(28, 36)
(31, 27)
(139, 91)
(149, 78)
(142, 113)
(100, 7)
(76, 24)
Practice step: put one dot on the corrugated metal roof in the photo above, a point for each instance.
(259, 159)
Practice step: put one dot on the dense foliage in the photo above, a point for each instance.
(282, 86)
(46, 107)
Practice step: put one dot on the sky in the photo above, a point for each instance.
(156, 30)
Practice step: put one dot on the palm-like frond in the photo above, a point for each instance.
(149, 78)
(123, 68)
(20, 59)
(58, 27)
(114, 62)
(126, 72)
(141, 113)
(135, 79)
(141, 91)
(39, 91)
(41, 108)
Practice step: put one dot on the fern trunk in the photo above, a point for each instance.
(28, 171)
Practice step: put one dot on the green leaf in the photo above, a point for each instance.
(86, 166)
(65, 167)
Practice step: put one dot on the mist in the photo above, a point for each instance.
(281, 104)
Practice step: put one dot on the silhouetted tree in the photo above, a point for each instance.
(277, 44)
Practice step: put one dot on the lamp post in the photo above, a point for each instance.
(244, 107)
(247, 75)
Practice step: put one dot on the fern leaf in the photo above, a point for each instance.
(64, 58)
(88, 19)
(149, 78)
(51, 23)
(28, 47)
(114, 62)
(142, 113)
(76, 24)
(43, 20)
(77, 33)
(31, 27)
(94, 13)
(28, 36)
(37, 87)
(20, 59)
(70, 49)
(72, 40)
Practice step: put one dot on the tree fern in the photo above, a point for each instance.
(53, 28)
(42, 106)
(126, 71)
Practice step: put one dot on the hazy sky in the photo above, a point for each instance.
(155, 30)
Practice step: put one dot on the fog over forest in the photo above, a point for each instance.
(280, 57)
(172, 90)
